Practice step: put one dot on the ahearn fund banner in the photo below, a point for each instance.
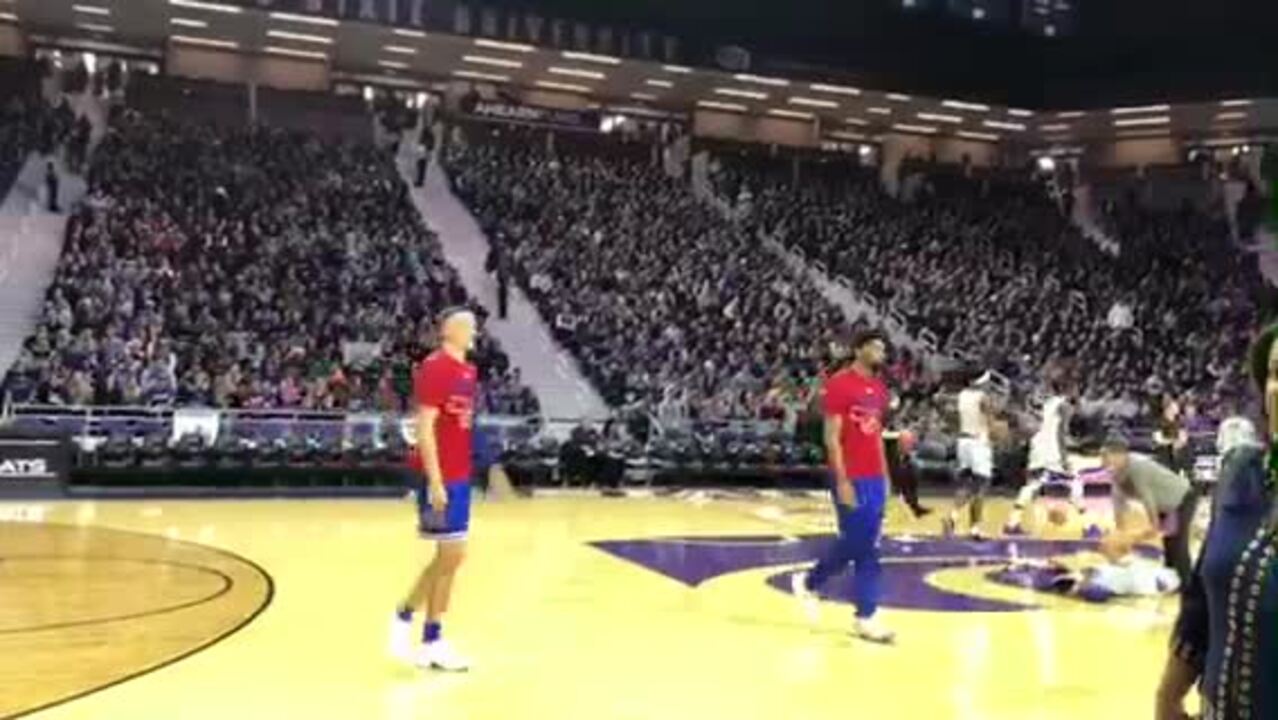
(502, 111)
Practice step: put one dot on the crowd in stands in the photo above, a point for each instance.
(246, 268)
(30, 124)
(660, 299)
(992, 266)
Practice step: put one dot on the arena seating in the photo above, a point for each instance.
(250, 268)
(991, 266)
(659, 299)
(27, 123)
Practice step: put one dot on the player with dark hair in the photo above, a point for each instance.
(444, 386)
(854, 402)
(1049, 462)
(1168, 499)
(975, 450)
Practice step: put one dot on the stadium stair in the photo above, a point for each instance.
(1084, 218)
(30, 244)
(1267, 254)
(552, 374)
(834, 290)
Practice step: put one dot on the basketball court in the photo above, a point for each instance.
(572, 607)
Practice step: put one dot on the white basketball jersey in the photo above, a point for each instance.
(1050, 426)
(971, 417)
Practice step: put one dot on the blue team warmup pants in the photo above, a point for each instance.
(858, 544)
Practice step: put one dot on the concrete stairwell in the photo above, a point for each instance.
(30, 245)
(550, 371)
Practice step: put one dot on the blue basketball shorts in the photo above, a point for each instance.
(451, 524)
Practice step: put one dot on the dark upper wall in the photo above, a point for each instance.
(1121, 50)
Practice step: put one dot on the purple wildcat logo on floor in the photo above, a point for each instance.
(906, 565)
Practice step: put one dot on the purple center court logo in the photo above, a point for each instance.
(906, 565)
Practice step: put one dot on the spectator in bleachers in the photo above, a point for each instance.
(253, 268)
(989, 263)
(657, 297)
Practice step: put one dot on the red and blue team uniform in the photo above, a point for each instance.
(861, 401)
(448, 384)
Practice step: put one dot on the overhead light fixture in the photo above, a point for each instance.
(682, 70)
(576, 72)
(856, 121)
(95, 27)
(845, 135)
(1231, 116)
(760, 80)
(834, 89)
(91, 9)
(300, 37)
(1058, 138)
(211, 7)
(659, 83)
(1068, 114)
(934, 117)
(923, 129)
(1001, 125)
(1235, 103)
(1136, 122)
(393, 64)
(898, 97)
(405, 32)
(643, 96)
(716, 105)
(1139, 110)
(566, 87)
(591, 57)
(879, 110)
(308, 19)
(812, 102)
(188, 22)
(476, 75)
(1142, 134)
(293, 52)
(1053, 127)
(960, 105)
(796, 114)
(207, 42)
(1016, 112)
(987, 137)
(492, 61)
(734, 92)
(400, 49)
(502, 45)
(8, 16)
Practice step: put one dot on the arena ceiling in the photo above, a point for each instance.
(849, 106)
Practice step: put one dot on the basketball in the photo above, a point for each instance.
(1058, 515)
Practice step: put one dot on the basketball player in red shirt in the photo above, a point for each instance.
(444, 385)
(854, 402)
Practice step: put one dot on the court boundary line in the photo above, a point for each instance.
(227, 584)
(266, 601)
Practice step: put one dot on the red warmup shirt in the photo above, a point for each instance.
(862, 401)
(441, 381)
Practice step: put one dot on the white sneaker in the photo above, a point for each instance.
(807, 600)
(441, 656)
(868, 629)
(400, 646)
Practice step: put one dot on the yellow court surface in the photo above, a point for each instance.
(571, 607)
